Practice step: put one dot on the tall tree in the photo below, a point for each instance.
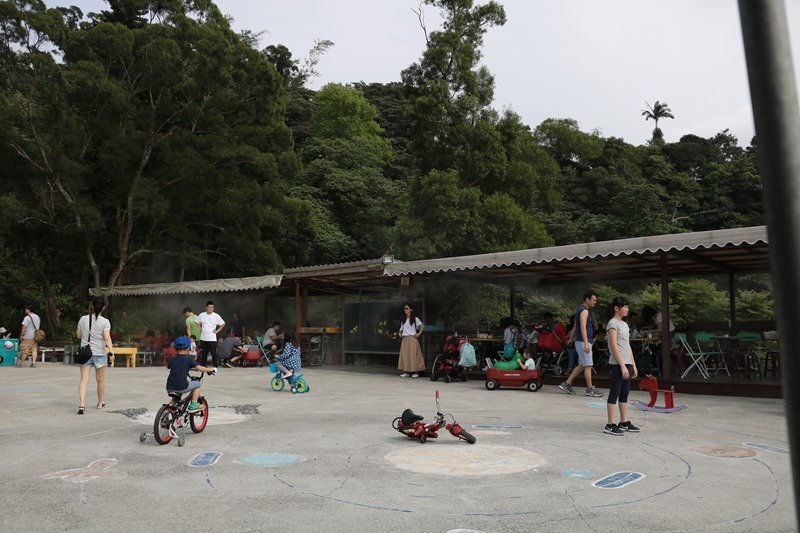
(141, 133)
(656, 112)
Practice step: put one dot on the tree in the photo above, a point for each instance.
(656, 112)
(354, 202)
(127, 127)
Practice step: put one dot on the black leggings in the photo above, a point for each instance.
(619, 387)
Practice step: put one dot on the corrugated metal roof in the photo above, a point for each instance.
(204, 286)
(730, 250)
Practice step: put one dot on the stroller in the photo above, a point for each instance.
(457, 356)
(552, 348)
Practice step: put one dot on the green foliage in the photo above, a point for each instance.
(754, 305)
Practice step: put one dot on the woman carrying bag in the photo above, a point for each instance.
(94, 330)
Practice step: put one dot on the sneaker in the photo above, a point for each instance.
(405, 375)
(566, 387)
(414, 375)
(195, 407)
(628, 426)
(594, 393)
(613, 429)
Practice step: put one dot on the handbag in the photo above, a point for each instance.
(85, 351)
(38, 334)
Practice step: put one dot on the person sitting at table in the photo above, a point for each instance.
(148, 341)
(164, 339)
(633, 324)
(653, 319)
(4, 333)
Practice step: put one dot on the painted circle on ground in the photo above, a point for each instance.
(216, 416)
(491, 432)
(720, 450)
(270, 459)
(462, 459)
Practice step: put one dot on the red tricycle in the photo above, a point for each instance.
(413, 426)
(531, 379)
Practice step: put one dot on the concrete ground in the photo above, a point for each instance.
(329, 460)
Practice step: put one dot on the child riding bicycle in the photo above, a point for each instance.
(179, 366)
(289, 362)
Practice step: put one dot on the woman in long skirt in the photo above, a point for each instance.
(411, 360)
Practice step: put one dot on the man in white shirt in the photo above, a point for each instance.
(210, 324)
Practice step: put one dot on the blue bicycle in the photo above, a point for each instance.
(296, 381)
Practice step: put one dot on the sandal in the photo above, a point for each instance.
(81, 410)
(101, 406)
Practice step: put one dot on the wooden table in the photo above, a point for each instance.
(128, 353)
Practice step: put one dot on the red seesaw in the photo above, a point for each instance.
(650, 383)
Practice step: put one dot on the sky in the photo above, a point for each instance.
(598, 63)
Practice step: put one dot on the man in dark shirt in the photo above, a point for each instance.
(231, 345)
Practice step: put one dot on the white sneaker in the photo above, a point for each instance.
(414, 375)
(404, 375)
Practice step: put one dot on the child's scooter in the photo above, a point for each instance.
(413, 426)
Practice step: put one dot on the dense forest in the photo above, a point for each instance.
(151, 143)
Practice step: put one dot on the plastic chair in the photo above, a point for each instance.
(146, 356)
(264, 353)
(697, 357)
(707, 343)
(167, 353)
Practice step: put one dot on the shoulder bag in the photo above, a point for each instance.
(85, 352)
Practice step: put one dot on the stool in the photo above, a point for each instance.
(772, 363)
(751, 360)
(146, 356)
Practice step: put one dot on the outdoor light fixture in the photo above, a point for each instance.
(387, 259)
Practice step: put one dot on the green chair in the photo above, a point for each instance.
(697, 357)
(708, 344)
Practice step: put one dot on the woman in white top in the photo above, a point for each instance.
(411, 360)
(95, 330)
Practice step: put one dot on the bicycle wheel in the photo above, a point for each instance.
(277, 383)
(199, 420)
(301, 385)
(162, 425)
(463, 435)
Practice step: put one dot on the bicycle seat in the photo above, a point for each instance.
(175, 396)
(409, 417)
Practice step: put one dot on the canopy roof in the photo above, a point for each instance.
(740, 250)
(730, 251)
(206, 286)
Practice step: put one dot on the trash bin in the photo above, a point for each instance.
(9, 350)
(69, 350)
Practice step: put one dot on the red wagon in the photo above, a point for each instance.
(530, 379)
